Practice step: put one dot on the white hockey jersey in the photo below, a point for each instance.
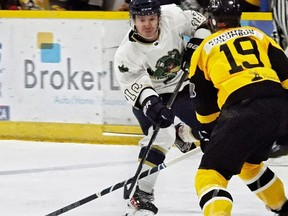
(139, 66)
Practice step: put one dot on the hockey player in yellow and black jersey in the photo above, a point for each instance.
(241, 81)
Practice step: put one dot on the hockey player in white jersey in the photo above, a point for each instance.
(148, 67)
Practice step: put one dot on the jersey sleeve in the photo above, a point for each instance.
(206, 106)
(132, 78)
(186, 22)
(279, 62)
(195, 58)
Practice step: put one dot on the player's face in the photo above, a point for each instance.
(147, 26)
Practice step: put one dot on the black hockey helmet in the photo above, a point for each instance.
(144, 7)
(223, 14)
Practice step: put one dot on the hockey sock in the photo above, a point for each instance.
(214, 199)
(264, 183)
(154, 158)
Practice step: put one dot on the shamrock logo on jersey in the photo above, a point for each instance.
(123, 68)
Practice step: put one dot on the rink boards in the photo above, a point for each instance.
(56, 76)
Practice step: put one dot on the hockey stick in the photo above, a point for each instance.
(121, 184)
(127, 191)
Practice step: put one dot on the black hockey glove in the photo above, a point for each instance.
(188, 52)
(157, 112)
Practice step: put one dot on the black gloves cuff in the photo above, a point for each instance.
(157, 112)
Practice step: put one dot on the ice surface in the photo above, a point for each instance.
(37, 178)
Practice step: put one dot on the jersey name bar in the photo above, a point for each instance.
(231, 34)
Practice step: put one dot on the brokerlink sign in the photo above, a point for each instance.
(0, 52)
(57, 72)
(0, 70)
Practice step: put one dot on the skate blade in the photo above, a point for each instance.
(139, 213)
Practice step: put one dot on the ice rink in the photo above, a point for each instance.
(37, 178)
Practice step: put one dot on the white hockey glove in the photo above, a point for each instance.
(185, 141)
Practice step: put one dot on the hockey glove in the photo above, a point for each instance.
(188, 52)
(185, 141)
(157, 112)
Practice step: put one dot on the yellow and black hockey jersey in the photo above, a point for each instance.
(236, 64)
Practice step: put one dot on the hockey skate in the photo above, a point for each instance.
(185, 141)
(283, 211)
(141, 204)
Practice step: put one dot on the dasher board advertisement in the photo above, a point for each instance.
(51, 70)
